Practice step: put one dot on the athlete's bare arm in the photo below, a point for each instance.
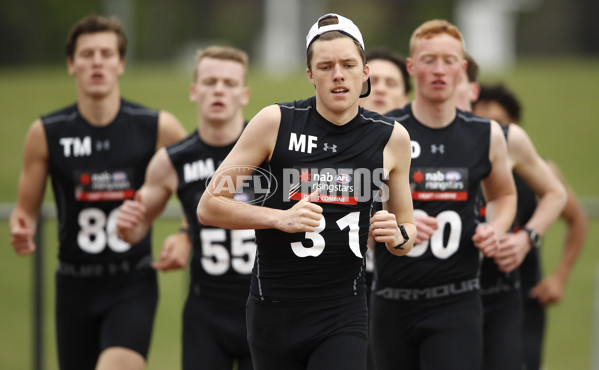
(550, 193)
(537, 174)
(398, 209)
(137, 215)
(500, 194)
(256, 145)
(550, 290)
(170, 130)
(175, 252)
(32, 184)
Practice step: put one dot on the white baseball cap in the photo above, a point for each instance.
(345, 26)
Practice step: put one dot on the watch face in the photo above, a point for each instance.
(535, 241)
(533, 237)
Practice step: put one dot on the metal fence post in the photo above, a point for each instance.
(38, 296)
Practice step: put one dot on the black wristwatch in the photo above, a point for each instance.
(533, 237)
(405, 236)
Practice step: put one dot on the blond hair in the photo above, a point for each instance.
(222, 53)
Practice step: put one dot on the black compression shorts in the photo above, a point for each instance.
(93, 314)
(214, 333)
(440, 333)
(502, 330)
(534, 331)
(324, 335)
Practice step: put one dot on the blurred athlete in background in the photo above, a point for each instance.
(500, 276)
(499, 103)
(95, 152)
(214, 328)
(390, 89)
(426, 308)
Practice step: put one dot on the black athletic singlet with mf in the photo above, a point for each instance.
(214, 325)
(432, 292)
(346, 163)
(106, 291)
(307, 300)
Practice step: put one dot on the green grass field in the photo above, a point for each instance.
(560, 114)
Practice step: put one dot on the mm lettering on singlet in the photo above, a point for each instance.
(339, 186)
(198, 170)
(105, 185)
(439, 183)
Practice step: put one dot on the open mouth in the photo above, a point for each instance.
(339, 90)
(97, 76)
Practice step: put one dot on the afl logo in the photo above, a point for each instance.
(453, 176)
(343, 178)
(119, 176)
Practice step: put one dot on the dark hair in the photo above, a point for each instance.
(472, 70)
(331, 35)
(388, 55)
(500, 94)
(93, 24)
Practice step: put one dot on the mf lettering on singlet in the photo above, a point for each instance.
(302, 143)
(337, 185)
(106, 185)
(439, 183)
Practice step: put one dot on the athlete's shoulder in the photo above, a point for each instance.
(471, 117)
(375, 117)
(136, 109)
(67, 113)
(185, 144)
(303, 104)
(401, 114)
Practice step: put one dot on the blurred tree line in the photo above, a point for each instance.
(34, 31)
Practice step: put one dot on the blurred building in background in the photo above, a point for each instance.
(273, 31)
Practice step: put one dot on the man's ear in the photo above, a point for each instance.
(366, 73)
(246, 96)
(70, 67)
(410, 66)
(474, 91)
(123, 64)
(192, 92)
(309, 73)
